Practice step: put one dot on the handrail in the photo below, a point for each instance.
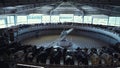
(62, 66)
(27, 65)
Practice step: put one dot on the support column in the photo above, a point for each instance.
(59, 18)
(41, 19)
(115, 20)
(27, 19)
(108, 21)
(83, 19)
(50, 18)
(92, 20)
(15, 19)
(50, 15)
(73, 18)
(6, 22)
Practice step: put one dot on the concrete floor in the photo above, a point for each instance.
(80, 41)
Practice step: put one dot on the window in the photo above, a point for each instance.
(78, 19)
(100, 19)
(45, 18)
(34, 18)
(54, 18)
(10, 21)
(112, 21)
(87, 19)
(66, 17)
(2, 23)
(117, 21)
(21, 20)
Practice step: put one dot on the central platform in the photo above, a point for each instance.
(64, 43)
